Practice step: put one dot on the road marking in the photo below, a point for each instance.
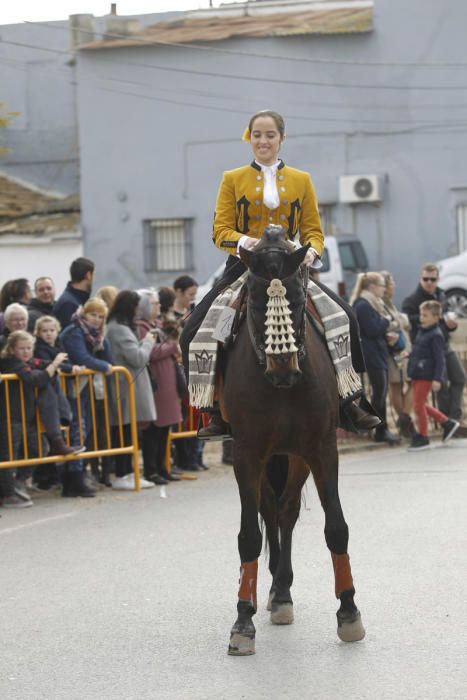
(8, 530)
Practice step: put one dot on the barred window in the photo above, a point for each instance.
(168, 245)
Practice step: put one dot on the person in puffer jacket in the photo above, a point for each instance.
(426, 370)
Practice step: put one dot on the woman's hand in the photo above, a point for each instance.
(309, 258)
(392, 338)
(109, 369)
(435, 386)
(247, 242)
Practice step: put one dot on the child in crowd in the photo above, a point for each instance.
(17, 358)
(426, 369)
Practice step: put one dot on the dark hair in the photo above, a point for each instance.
(79, 268)
(184, 282)
(279, 121)
(166, 298)
(124, 308)
(13, 291)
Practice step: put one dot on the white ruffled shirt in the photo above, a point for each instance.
(270, 193)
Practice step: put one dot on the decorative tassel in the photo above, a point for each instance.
(280, 335)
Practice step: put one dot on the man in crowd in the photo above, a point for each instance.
(450, 398)
(42, 304)
(77, 291)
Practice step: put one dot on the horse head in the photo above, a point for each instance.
(276, 303)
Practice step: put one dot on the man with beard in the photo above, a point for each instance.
(77, 291)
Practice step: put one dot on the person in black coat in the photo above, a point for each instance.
(451, 394)
(77, 291)
(42, 304)
(375, 331)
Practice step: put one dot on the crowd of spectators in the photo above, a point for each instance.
(407, 352)
(409, 356)
(42, 336)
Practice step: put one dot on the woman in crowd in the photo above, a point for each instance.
(86, 346)
(108, 295)
(185, 288)
(400, 393)
(130, 352)
(15, 318)
(376, 329)
(162, 370)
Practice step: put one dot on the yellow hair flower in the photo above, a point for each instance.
(246, 135)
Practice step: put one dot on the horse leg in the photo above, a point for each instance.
(325, 473)
(272, 486)
(242, 635)
(289, 509)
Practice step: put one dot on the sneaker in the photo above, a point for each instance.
(419, 442)
(449, 428)
(20, 490)
(127, 483)
(16, 502)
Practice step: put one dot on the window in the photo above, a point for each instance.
(168, 245)
(353, 256)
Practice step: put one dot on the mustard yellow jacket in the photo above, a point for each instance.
(240, 209)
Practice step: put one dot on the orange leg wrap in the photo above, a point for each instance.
(342, 573)
(248, 578)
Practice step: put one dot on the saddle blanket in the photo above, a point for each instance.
(203, 347)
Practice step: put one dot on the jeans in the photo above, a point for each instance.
(422, 409)
(379, 390)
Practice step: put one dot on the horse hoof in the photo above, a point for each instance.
(270, 599)
(240, 645)
(282, 614)
(352, 631)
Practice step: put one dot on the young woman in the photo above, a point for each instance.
(130, 352)
(185, 288)
(267, 191)
(378, 331)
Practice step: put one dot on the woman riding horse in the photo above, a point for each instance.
(251, 198)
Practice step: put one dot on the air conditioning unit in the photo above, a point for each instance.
(355, 189)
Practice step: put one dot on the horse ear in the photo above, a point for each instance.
(245, 256)
(295, 259)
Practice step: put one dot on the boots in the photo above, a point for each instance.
(216, 429)
(406, 426)
(358, 418)
(58, 446)
(74, 485)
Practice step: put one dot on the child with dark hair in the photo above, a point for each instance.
(426, 370)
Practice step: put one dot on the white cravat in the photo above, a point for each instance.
(270, 194)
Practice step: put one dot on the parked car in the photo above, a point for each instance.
(343, 258)
(453, 280)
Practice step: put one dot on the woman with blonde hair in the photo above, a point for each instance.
(400, 393)
(376, 330)
(108, 295)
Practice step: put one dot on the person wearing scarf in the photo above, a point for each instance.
(83, 340)
(377, 331)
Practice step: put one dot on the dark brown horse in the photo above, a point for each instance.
(283, 412)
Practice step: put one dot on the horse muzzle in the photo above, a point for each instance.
(282, 370)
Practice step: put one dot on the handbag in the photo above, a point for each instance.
(180, 379)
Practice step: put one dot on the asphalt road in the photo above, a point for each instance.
(132, 596)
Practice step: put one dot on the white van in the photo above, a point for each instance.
(343, 258)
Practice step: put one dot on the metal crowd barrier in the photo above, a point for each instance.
(78, 383)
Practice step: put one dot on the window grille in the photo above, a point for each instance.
(168, 245)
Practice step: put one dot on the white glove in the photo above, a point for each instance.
(309, 257)
(247, 242)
